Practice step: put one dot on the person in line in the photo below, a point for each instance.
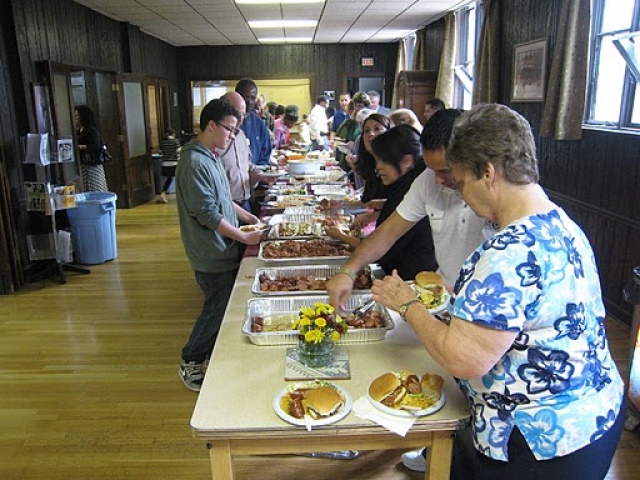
(282, 133)
(170, 148)
(243, 175)
(89, 141)
(354, 147)
(209, 221)
(339, 116)
(304, 131)
(431, 106)
(456, 229)
(349, 129)
(374, 97)
(398, 157)
(263, 112)
(375, 192)
(318, 123)
(253, 127)
(404, 116)
(526, 342)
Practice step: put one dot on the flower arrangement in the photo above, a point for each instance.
(320, 322)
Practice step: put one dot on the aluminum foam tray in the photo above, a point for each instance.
(291, 306)
(318, 271)
(263, 245)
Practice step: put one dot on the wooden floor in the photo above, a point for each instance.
(88, 375)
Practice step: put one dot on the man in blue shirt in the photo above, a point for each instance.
(253, 126)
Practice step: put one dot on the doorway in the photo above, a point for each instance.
(364, 84)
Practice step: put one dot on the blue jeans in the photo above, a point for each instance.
(217, 289)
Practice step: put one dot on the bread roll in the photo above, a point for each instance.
(425, 278)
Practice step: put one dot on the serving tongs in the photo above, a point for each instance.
(363, 308)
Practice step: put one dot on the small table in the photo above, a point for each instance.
(234, 413)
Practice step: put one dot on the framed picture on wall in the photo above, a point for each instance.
(529, 71)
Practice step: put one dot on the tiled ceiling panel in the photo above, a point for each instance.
(223, 22)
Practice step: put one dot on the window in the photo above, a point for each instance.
(468, 21)
(612, 97)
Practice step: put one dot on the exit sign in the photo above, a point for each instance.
(367, 61)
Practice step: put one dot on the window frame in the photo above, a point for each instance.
(630, 86)
(463, 76)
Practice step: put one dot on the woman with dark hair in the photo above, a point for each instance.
(398, 161)
(365, 165)
(90, 145)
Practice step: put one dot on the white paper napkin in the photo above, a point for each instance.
(362, 408)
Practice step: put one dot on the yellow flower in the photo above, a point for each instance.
(321, 322)
(307, 312)
(335, 336)
(314, 336)
(305, 321)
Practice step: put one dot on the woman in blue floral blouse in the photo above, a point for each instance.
(526, 341)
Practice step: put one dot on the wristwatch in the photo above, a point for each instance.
(404, 308)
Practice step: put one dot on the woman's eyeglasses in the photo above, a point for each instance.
(235, 131)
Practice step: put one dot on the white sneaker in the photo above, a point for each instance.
(414, 460)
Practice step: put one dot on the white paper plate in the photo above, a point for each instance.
(406, 413)
(339, 415)
(442, 307)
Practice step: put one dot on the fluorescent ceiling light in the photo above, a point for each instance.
(286, 40)
(282, 23)
(275, 2)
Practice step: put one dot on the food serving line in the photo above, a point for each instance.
(237, 411)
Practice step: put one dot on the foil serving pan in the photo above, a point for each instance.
(318, 271)
(264, 245)
(289, 306)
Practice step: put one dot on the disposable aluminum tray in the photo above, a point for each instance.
(296, 218)
(264, 245)
(318, 271)
(291, 305)
(296, 230)
(322, 189)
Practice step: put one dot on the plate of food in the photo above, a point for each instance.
(403, 394)
(312, 404)
(431, 291)
(257, 227)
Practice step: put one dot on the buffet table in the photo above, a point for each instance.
(234, 412)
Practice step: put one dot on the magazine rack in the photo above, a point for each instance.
(47, 242)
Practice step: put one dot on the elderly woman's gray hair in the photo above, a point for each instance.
(493, 133)
(362, 115)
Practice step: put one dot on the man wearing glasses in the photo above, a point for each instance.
(209, 229)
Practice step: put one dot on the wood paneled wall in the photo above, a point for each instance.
(597, 179)
(326, 65)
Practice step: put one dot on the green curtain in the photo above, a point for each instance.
(401, 64)
(420, 53)
(486, 77)
(444, 86)
(565, 100)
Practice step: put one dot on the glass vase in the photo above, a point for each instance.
(314, 354)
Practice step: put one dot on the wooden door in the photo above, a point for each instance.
(136, 150)
(414, 88)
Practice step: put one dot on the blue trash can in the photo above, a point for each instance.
(93, 227)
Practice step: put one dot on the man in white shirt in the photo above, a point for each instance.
(457, 231)
(318, 125)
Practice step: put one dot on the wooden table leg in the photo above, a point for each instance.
(439, 456)
(221, 461)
